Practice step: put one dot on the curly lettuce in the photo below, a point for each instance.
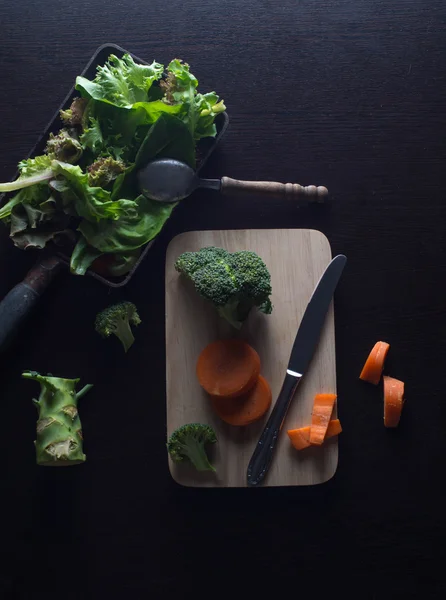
(121, 82)
(127, 115)
(131, 231)
(198, 111)
(91, 203)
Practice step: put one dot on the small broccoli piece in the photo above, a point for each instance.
(188, 443)
(116, 320)
(233, 282)
(74, 115)
(103, 171)
(64, 146)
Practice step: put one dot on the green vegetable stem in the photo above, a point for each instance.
(59, 431)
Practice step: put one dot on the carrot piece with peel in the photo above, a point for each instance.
(322, 409)
(393, 401)
(245, 409)
(228, 368)
(374, 364)
(300, 438)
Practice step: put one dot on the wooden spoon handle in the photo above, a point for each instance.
(293, 191)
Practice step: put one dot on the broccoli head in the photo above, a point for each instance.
(104, 171)
(188, 443)
(116, 320)
(64, 146)
(233, 282)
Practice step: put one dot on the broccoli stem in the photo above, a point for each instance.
(124, 333)
(196, 453)
(19, 183)
(59, 430)
(83, 391)
(229, 312)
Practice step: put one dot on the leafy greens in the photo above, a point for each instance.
(126, 116)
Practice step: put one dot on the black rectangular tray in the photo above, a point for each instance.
(205, 146)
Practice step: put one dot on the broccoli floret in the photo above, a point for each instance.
(103, 171)
(74, 115)
(233, 282)
(116, 320)
(64, 146)
(188, 443)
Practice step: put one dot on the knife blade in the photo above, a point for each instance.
(305, 344)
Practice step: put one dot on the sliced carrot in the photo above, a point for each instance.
(228, 368)
(300, 438)
(245, 409)
(393, 401)
(322, 409)
(374, 364)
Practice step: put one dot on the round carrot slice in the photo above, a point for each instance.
(245, 409)
(393, 401)
(228, 368)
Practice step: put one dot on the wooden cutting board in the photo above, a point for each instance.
(296, 259)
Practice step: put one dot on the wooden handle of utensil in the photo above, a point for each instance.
(19, 302)
(292, 191)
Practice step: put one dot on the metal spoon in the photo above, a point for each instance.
(169, 180)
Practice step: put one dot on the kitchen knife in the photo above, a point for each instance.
(307, 338)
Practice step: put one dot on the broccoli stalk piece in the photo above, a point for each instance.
(116, 320)
(234, 282)
(188, 443)
(59, 430)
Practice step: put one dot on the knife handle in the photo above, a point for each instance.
(263, 453)
(19, 302)
(293, 191)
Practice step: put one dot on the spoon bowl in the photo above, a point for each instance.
(167, 180)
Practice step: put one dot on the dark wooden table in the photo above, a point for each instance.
(346, 94)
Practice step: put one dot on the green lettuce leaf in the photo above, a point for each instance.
(33, 226)
(114, 132)
(33, 195)
(208, 106)
(123, 263)
(92, 203)
(169, 137)
(32, 171)
(129, 232)
(180, 84)
(153, 110)
(198, 111)
(92, 138)
(121, 82)
(83, 256)
(34, 166)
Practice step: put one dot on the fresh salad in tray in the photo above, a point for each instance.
(84, 186)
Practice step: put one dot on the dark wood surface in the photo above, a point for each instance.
(347, 94)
